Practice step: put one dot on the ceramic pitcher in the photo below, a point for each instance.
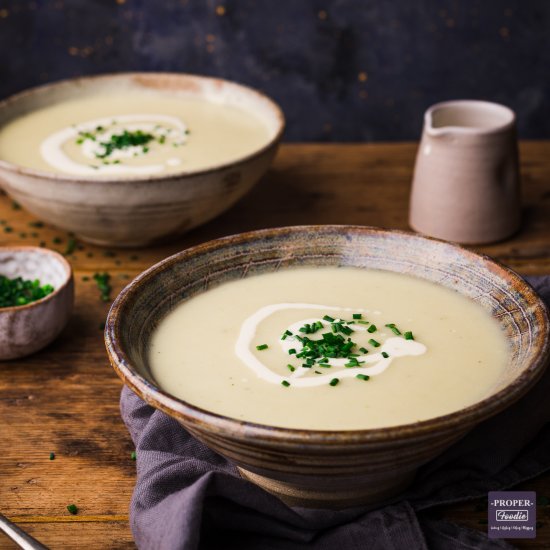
(466, 179)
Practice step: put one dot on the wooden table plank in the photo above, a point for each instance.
(65, 399)
(79, 536)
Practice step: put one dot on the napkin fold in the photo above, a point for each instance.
(187, 497)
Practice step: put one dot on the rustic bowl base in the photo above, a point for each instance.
(107, 243)
(367, 491)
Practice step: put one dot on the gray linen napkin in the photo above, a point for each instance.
(187, 497)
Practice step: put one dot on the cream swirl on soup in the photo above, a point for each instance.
(108, 144)
(360, 358)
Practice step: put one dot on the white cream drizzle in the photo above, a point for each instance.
(393, 346)
(52, 151)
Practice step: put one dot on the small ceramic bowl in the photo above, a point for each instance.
(27, 329)
(135, 211)
(328, 468)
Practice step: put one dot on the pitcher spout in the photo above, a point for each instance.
(472, 117)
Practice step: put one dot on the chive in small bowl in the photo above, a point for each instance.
(26, 328)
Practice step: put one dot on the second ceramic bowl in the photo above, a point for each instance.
(140, 210)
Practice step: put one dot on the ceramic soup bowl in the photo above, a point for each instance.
(29, 328)
(138, 210)
(328, 468)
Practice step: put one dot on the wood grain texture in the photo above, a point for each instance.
(65, 398)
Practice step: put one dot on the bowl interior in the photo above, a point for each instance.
(34, 263)
(170, 84)
(510, 301)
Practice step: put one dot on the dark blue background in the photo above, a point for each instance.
(341, 69)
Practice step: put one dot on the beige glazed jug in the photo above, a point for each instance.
(466, 180)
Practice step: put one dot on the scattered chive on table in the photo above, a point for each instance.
(62, 441)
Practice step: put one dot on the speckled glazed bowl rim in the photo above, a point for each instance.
(54, 176)
(223, 425)
(46, 251)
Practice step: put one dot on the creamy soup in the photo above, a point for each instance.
(131, 134)
(329, 348)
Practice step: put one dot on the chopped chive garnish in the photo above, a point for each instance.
(102, 281)
(363, 377)
(73, 509)
(394, 329)
(52, 456)
(71, 246)
(122, 141)
(133, 455)
(335, 342)
(285, 383)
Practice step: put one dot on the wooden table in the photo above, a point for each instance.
(65, 398)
